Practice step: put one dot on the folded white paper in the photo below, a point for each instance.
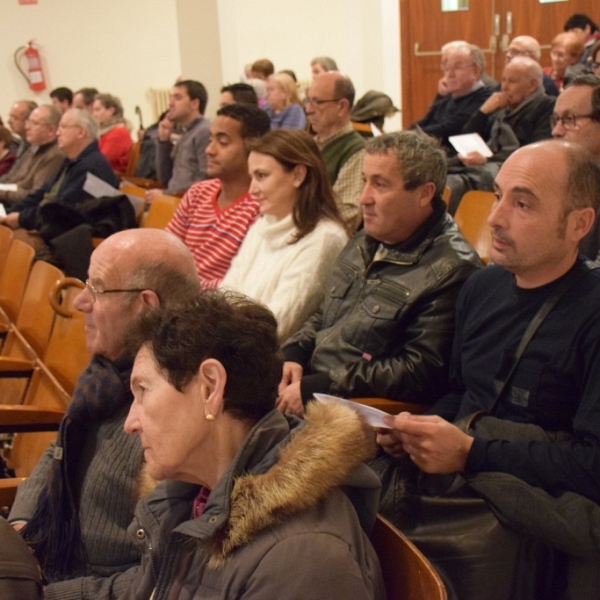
(470, 142)
(373, 416)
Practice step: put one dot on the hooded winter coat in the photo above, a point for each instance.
(286, 521)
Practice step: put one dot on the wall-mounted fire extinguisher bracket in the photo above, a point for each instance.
(34, 74)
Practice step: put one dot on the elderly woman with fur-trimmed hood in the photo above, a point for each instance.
(256, 504)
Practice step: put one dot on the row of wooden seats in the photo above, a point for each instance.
(42, 354)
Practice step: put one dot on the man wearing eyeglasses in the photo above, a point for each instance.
(77, 135)
(328, 107)
(79, 500)
(41, 161)
(576, 119)
(463, 93)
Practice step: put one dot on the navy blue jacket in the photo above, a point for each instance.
(71, 191)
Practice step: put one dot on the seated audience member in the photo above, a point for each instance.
(328, 107)
(587, 30)
(62, 98)
(180, 165)
(115, 140)
(531, 415)
(322, 64)
(262, 69)
(463, 93)
(77, 134)
(237, 92)
(256, 504)
(79, 502)
(385, 326)
(576, 119)
(525, 45)
(283, 103)
(42, 159)
(516, 116)
(7, 156)
(84, 98)
(290, 250)
(17, 120)
(566, 50)
(214, 216)
(20, 577)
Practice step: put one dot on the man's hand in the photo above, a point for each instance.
(153, 193)
(290, 400)
(165, 129)
(433, 444)
(442, 87)
(495, 102)
(292, 373)
(473, 159)
(11, 220)
(390, 441)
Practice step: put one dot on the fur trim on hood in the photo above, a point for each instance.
(317, 459)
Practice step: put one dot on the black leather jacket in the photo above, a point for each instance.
(385, 326)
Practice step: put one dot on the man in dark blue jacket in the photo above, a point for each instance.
(77, 134)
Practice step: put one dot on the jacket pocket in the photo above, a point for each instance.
(376, 325)
(337, 288)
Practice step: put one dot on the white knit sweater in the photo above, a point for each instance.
(288, 278)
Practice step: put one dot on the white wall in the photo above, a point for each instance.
(125, 47)
(121, 47)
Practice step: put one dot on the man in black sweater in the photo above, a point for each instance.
(549, 407)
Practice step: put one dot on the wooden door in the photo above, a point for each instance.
(491, 24)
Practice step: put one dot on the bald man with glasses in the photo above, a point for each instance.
(75, 508)
(328, 107)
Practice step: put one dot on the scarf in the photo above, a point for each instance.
(53, 531)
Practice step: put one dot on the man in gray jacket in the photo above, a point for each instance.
(79, 500)
(385, 326)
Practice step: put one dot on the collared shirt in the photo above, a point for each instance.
(348, 185)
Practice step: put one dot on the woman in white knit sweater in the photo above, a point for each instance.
(291, 249)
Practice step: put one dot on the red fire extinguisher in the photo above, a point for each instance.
(34, 74)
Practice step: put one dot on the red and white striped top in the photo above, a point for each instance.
(213, 235)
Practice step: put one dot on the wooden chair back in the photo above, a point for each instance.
(13, 279)
(28, 338)
(6, 237)
(161, 211)
(407, 574)
(393, 407)
(471, 217)
(447, 195)
(67, 355)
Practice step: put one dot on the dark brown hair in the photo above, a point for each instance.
(292, 147)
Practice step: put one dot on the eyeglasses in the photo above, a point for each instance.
(94, 293)
(569, 122)
(315, 102)
(458, 67)
(595, 65)
(32, 122)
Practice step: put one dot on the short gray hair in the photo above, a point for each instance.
(53, 115)
(326, 62)
(85, 120)
(474, 52)
(419, 157)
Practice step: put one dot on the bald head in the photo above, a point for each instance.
(523, 45)
(154, 259)
(329, 102)
(131, 272)
(521, 78)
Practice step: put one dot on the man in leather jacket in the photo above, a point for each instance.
(385, 326)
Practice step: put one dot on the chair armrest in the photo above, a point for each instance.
(393, 407)
(19, 418)
(15, 367)
(142, 182)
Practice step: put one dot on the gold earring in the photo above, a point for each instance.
(210, 417)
